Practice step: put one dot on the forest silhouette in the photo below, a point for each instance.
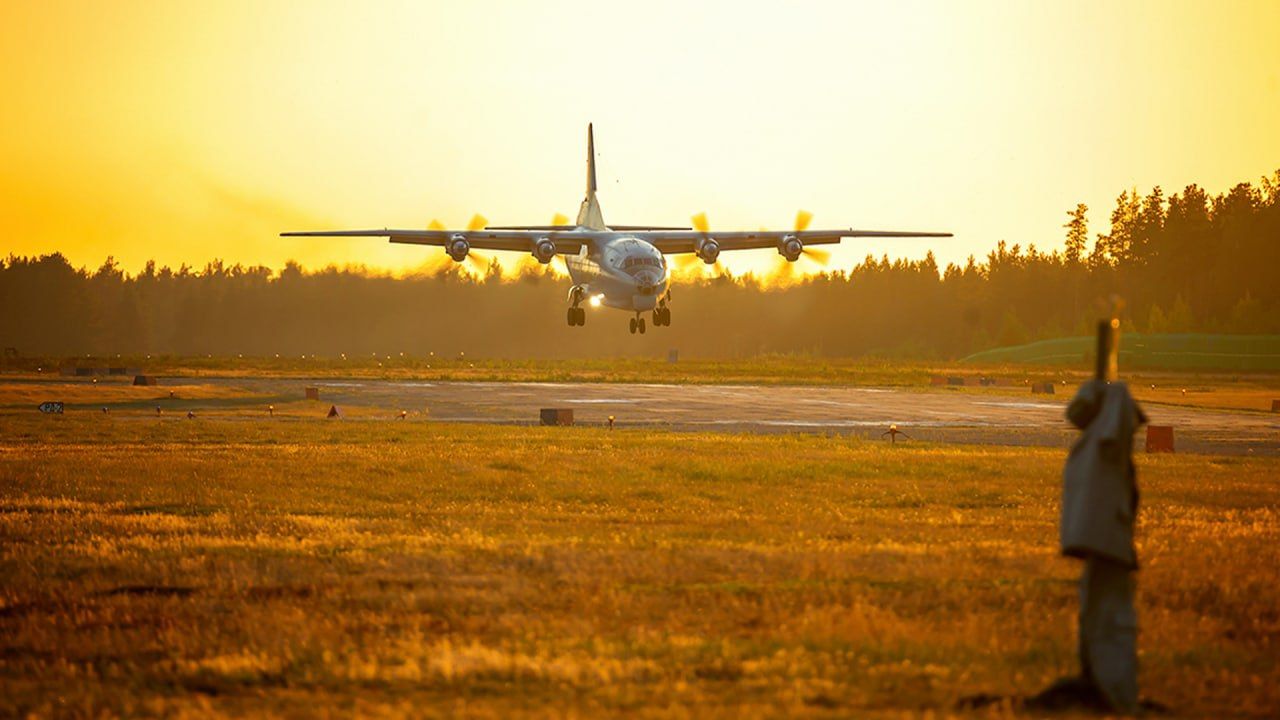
(1188, 262)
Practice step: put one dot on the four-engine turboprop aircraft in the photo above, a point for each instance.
(620, 266)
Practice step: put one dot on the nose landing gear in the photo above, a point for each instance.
(637, 324)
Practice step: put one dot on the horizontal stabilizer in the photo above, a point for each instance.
(548, 228)
(563, 228)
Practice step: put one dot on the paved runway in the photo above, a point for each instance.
(949, 416)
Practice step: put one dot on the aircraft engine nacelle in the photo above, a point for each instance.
(709, 250)
(458, 248)
(790, 248)
(544, 251)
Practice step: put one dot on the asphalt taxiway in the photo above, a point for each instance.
(936, 415)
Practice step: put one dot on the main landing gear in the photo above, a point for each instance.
(637, 324)
(576, 315)
(662, 313)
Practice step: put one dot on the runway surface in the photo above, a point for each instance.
(938, 415)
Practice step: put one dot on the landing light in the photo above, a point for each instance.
(595, 301)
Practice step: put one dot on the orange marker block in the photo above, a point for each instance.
(1159, 438)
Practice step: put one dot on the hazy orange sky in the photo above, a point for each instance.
(187, 131)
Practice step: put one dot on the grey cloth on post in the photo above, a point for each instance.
(1108, 632)
(1099, 509)
(1099, 488)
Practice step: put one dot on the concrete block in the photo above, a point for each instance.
(1159, 438)
(556, 416)
(313, 393)
(1042, 388)
(144, 379)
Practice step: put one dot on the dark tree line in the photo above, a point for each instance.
(1188, 262)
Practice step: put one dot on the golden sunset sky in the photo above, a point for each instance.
(183, 132)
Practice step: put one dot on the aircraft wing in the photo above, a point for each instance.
(486, 239)
(668, 242)
(671, 243)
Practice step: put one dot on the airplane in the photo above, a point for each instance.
(618, 266)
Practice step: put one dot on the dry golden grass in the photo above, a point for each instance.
(1244, 394)
(29, 392)
(222, 567)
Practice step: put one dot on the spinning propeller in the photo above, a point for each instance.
(784, 268)
(479, 263)
(434, 264)
(527, 263)
(710, 248)
(781, 266)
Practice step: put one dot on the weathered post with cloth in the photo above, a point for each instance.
(1099, 509)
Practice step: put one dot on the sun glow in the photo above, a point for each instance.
(183, 133)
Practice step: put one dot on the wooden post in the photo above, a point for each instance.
(1106, 361)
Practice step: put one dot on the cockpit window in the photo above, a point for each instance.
(642, 261)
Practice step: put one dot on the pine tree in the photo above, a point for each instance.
(1077, 234)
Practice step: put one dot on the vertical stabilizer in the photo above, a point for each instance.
(591, 160)
(589, 215)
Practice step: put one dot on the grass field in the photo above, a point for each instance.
(220, 567)
(1224, 390)
(762, 369)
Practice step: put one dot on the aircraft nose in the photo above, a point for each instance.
(649, 282)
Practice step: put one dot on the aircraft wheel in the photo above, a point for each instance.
(633, 326)
(640, 323)
(657, 317)
(666, 317)
(572, 316)
(582, 317)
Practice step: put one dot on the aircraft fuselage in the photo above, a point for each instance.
(623, 272)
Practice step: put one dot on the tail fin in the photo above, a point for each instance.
(589, 214)
(591, 160)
